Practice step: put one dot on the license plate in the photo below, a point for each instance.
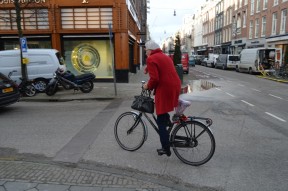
(7, 90)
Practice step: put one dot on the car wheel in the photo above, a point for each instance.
(40, 84)
(250, 71)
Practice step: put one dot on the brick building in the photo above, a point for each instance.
(79, 29)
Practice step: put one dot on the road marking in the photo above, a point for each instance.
(241, 85)
(229, 94)
(247, 103)
(218, 89)
(275, 116)
(275, 96)
(255, 90)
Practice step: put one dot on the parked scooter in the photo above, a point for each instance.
(67, 80)
(27, 87)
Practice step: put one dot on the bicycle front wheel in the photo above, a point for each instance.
(193, 143)
(129, 131)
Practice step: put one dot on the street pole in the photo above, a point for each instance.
(112, 54)
(20, 34)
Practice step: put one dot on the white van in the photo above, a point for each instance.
(253, 60)
(42, 63)
(227, 61)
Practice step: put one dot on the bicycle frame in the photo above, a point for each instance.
(181, 119)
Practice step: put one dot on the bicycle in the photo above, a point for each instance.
(191, 140)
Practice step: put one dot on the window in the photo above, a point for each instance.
(256, 28)
(252, 7)
(274, 23)
(238, 24)
(265, 4)
(32, 19)
(275, 2)
(250, 29)
(263, 26)
(258, 6)
(244, 19)
(283, 21)
(86, 18)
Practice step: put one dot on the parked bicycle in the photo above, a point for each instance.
(190, 137)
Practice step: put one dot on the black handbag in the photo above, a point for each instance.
(144, 102)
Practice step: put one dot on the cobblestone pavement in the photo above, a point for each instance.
(31, 176)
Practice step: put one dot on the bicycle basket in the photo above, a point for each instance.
(144, 102)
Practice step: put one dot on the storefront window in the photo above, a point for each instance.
(83, 56)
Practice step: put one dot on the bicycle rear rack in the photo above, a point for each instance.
(183, 118)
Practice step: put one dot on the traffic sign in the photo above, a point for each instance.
(23, 42)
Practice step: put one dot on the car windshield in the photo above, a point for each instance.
(234, 58)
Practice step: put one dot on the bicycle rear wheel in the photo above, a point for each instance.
(129, 133)
(193, 143)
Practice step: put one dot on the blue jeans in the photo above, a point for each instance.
(162, 122)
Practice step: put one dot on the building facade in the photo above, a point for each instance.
(229, 26)
(100, 36)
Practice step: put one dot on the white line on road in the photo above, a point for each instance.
(275, 116)
(229, 94)
(255, 90)
(218, 89)
(250, 104)
(275, 96)
(241, 85)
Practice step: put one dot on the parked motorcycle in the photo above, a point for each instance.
(27, 87)
(67, 80)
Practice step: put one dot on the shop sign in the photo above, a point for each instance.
(21, 1)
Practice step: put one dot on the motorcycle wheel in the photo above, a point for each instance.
(51, 90)
(40, 84)
(29, 90)
(87, 87)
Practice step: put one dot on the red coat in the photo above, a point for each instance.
(164, 80)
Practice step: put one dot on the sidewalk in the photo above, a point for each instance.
(101, 90)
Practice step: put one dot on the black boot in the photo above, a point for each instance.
(164, 151)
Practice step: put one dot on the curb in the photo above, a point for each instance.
(273, 79)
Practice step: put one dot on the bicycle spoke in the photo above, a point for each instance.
(193, 143)
(129, 131)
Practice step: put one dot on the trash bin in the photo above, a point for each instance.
(179, 69)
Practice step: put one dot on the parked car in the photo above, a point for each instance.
(192, 61)
(9, 92)
(212, 59)
(199, 59)
(227, 61)
(207, 62)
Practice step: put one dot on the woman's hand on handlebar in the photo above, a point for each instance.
(145, 86)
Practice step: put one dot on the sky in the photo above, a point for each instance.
(162, 23)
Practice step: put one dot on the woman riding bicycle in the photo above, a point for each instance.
(166, 84)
